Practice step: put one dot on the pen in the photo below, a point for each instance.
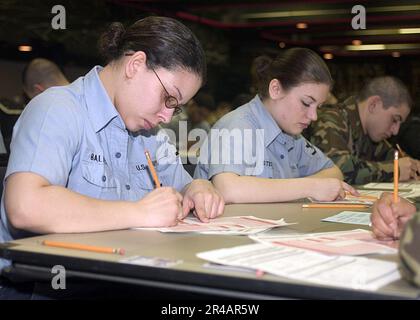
(402, 153)
(388, 144)
(332, 205)
(152, 169)
(395, 176)
(83, 247)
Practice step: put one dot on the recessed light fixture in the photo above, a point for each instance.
(328, 56)
(409, 30)
(301, 25)
(25, 48)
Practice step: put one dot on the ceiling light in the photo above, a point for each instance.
(328, 56)
(396, 46)
(25, 48)
(366, 47)
(301, 25)
(408, 30)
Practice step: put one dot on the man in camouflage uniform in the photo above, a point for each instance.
(391, 221)
(353, 133)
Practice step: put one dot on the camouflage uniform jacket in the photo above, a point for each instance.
(339, 134)
(409, 250)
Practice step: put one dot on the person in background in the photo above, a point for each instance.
(199, 109)
(409, 135)
(276, 163)
(41, 74)
(354, 133)
(399, 221)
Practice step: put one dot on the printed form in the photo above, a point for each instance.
(342, 271)
(353, 242)
(239, 225)
(350, 217)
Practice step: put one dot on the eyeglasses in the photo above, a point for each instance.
(171, 102)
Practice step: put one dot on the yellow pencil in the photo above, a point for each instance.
(334, 205)
(152, 169)
(395, 176)
(83, 247)
(402, 153)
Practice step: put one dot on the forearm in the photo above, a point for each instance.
(246, 189)
(55, 209)
(333, 172)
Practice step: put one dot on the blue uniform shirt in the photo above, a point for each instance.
(74, 137)
(248, 141)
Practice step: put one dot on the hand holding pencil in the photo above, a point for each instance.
(389, 218)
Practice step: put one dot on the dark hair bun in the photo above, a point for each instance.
(110, 41)
(261, 65)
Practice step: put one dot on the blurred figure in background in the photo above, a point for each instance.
(199, 109)
(354, 133)
(41, 74)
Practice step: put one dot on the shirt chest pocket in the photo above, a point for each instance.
(141, 177)
(98, 180)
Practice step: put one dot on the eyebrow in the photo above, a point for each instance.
(179, 92)
(399, 117)
(313, 99)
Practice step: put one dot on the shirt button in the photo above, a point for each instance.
(281, 156)
(127, 186)
(118, 155)
(103, 178)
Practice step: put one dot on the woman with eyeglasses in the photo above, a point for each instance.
(78, 159)
(256, 153)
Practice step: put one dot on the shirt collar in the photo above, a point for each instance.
(100, 108)
(266, 121)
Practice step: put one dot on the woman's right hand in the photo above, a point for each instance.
(330, 189)
(160, 208)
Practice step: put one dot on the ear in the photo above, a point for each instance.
(275, 89)
(38, 88)
(373, 103)
(135, 63)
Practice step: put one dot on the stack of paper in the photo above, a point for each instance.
(343, 271)
(353, 242)
(240, 225)
(406, 189)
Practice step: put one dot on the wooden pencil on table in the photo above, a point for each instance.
(83, 247)
(334, 205)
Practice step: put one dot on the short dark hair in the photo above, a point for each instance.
(292, 67)
(167, 43)
(391, 90)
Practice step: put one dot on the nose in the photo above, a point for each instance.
(312, 114)
(165, 115)
(395, 128)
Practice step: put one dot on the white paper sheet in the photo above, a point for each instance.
(342, 271)
(350, 217)
(352, 242)
(239, 225)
